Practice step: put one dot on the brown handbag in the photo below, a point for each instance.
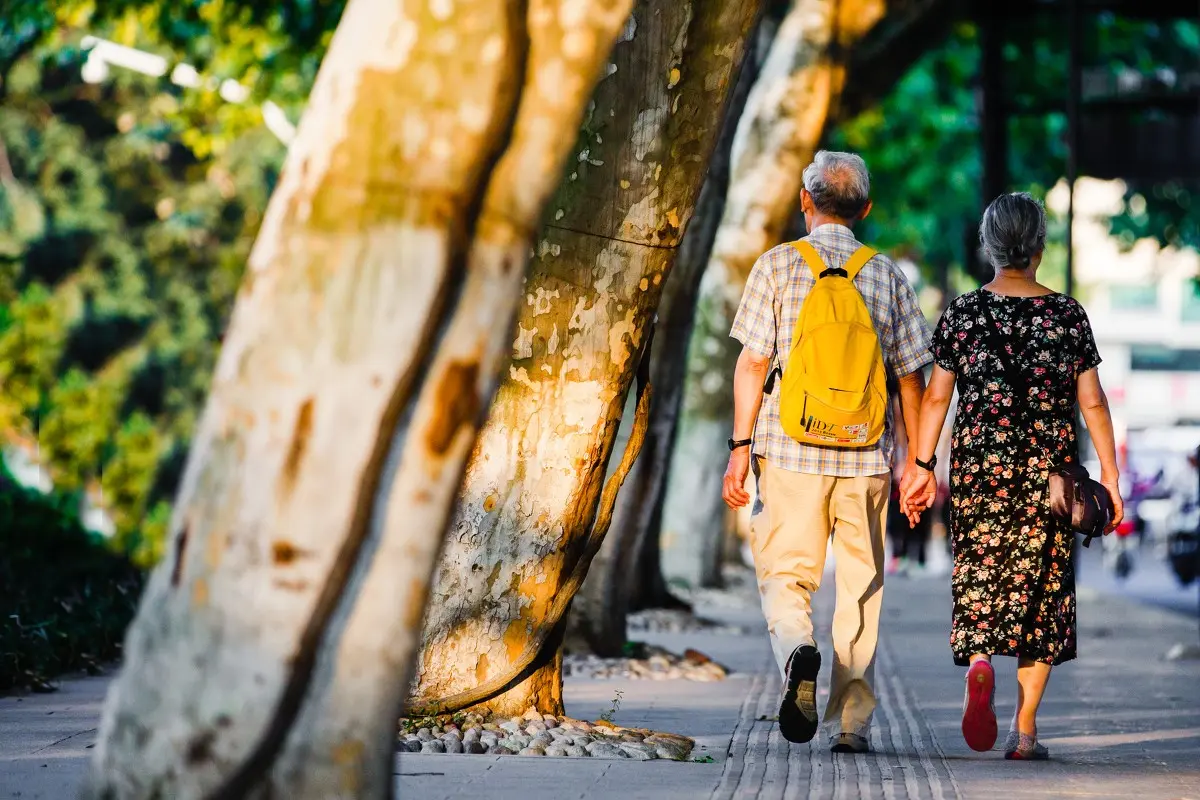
(1074, 497)
(1079, 501)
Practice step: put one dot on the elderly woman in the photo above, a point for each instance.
(1022, 357)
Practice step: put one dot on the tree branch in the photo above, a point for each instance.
(878, 62)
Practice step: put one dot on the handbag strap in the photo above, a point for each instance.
(1013, 376)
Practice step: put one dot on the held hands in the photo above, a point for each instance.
(918, 490)
(733, 486)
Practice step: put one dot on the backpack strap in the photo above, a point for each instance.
(851, 268)
(856, 262)
(811, 257)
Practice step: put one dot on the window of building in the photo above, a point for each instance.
(1134, 297)
(1150, 358)
(1190, 311)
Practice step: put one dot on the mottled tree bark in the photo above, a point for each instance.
(271, 652)
(785, 118)
(535, 504)
(626, 573)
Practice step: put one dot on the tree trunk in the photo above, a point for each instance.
(535, 504)
(272, 648)
(776, 139)
(627, 572)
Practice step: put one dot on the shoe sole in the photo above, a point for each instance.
(979, 718)
(798, 711)
(849, 748)
(1016, 756)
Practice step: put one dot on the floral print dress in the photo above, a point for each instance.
(1013, 579)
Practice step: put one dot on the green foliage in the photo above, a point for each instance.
(1167, 212)
(922, 141)
(272, 49)
(67, 598)
(121, 250)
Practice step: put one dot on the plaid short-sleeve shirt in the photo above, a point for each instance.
(768, 314)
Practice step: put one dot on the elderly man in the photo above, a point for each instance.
(810, 492)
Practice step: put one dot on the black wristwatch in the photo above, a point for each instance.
(926, 465)
(734, 444)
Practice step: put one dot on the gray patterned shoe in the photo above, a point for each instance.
(1026, 748)
(850, 743)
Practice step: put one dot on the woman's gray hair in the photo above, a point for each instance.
(839, 184)
(1013, 230)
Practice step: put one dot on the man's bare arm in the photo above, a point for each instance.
(748, 378)
(912, 387)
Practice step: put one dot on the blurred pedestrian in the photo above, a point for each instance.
(1022, 356)
(807, 491)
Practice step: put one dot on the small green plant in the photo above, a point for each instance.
(607, 716)
(703, 760)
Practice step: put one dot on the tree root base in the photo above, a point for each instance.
(646, 662)
(538, 735)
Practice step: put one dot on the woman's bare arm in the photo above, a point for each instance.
(1094, 405)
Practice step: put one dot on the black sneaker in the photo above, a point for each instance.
(798, 711)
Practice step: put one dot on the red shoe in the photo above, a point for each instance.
(979, 707)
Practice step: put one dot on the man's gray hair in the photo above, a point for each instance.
(1013, 230)
(839, 184)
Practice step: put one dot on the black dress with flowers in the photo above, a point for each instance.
(1013, 580)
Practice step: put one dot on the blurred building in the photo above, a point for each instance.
(1144, 305)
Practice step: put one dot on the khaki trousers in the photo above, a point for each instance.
(793, 520)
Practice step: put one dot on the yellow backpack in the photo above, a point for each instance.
(834, 388)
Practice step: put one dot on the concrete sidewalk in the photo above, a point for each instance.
(1121, 722)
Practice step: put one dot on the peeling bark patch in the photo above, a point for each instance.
(180, 550)
(199, 592)
(516, 637)
(493, 577)
(489, 503)
(414, 609)
(200, 748)
(291, 585)
(455, 404)
(299, 444)
(481, 668)
(284, 552)
(348, 756)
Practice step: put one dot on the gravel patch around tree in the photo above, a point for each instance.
(538, 735)
(646, 662)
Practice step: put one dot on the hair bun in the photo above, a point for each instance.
(1017, 254)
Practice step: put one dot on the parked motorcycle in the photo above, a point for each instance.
(1120, 550)
(1183, 544)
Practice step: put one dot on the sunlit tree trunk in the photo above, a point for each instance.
(535, 504)
(626, 573)
(271, 652)
(785, 118)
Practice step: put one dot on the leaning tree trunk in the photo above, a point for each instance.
(535, 505)
(784, 121)
(626, 573)
(271, 652)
